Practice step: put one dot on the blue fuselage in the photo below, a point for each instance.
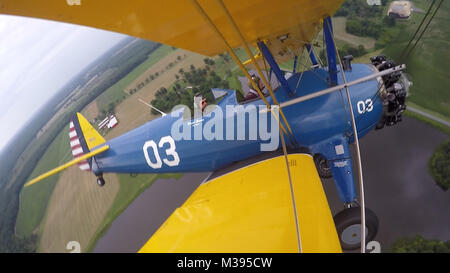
(316, 124)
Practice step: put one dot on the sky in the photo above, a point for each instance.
(37, 58)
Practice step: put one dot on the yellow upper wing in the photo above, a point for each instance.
(251, 210)
(178, 22)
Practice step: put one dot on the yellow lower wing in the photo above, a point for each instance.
(251, 210)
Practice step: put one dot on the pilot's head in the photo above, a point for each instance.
(199, 101)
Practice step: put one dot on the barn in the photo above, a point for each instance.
(400, 9)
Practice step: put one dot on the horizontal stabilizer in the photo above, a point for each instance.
(67, 165)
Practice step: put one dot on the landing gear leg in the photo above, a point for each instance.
(348, 227)
(100, 181)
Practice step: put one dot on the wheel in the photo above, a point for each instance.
(100, 181)
(322, 166)
(348, 227)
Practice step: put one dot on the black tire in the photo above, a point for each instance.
(100, 181)
(348, 227)
(322, 166)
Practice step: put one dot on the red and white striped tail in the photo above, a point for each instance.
(77, 150)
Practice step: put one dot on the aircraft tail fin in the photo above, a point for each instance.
(83, 137)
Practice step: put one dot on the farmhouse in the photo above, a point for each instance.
(109, 122)
(400, 9)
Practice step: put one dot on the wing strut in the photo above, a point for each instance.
(275, 68)
(261, 75)
(233, 55)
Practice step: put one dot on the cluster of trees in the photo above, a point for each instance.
(9, 206)
(439, 165)
(418, 244)
(365, 20)
(209, 62)
(111, 108)
(189, 83)
(360, 8)
(368, 27)
(225, 56)
(354, 51)
(389, 21)
(13, 244)
(364, 27)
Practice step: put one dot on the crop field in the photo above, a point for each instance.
(91, 111)
(76, 209)
(167, 72)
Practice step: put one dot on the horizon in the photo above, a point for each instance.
(35, 66)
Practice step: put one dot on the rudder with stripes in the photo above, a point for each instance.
(83, 137)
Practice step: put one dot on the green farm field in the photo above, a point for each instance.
(428, 63)
(116, 91)
(34, 199)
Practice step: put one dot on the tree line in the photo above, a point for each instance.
(418, 244)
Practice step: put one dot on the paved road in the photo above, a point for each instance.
(417, 111)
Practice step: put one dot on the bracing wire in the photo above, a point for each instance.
(426, 27)
(291, 186)
(418, 28)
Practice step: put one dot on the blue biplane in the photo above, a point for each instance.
(309, 121)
